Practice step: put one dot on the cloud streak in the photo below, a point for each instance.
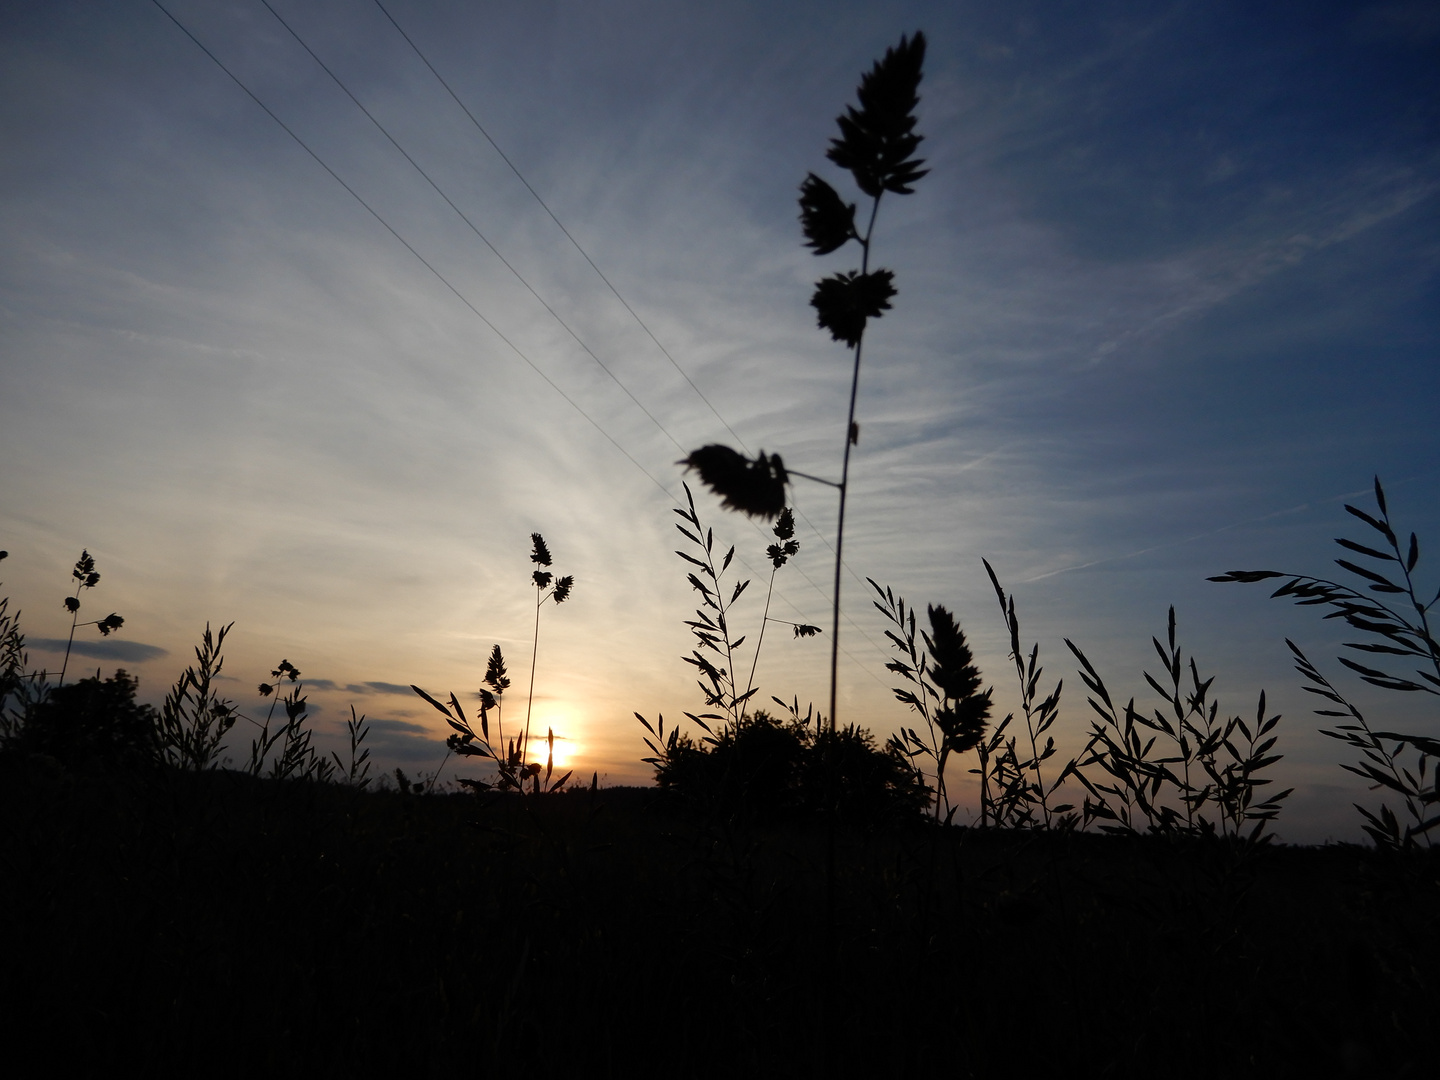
(124, 651)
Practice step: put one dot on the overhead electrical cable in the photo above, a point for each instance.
(601, 274)
(520, 278)
(442, 278)
(410, 248)
(560, 225)
(473, 227)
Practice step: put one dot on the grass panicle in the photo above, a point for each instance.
(944, 688)
(85, 577)
(547, 587)
(515, 769)
(877, 143)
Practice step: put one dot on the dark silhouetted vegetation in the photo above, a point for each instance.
(1389, 760)
(944, 690)
(86, 577)
(877, 144)
(92, 722)
(217, 924)
(513, 767)
(762, 768)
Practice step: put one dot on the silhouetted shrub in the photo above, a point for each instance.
(769, 769)
(92, 721)
(871, 785)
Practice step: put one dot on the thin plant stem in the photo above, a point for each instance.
(74, 621)
(534, 656)
(1035, 766)
(436, 774)
(845, 481)
(840, 539)
(760, 640)
(808, 476)
(736, 708)
(500, 721)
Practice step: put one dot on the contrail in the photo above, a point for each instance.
(1200, 536)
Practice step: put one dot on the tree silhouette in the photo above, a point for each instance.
(92, 721)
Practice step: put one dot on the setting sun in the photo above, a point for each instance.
(563, 753)
(564, 748)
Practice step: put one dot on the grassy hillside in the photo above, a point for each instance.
(215, 923)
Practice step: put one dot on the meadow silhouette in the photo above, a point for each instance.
(792, 896)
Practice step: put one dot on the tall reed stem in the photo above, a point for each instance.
(845, 481)
(74, 621)
(760, 640)
(534, 657)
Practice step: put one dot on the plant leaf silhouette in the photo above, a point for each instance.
(828, 222)
(877, 140)
(754, 487)
(844, 302)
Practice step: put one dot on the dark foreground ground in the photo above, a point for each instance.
(221, 926)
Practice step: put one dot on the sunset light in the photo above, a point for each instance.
(318, 316)
(564, 751)
(660, 537)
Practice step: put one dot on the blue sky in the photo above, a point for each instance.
(1167, 301)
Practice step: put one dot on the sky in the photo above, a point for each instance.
(1167, 301)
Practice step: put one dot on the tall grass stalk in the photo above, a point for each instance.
(779, 553)
(85, 578)
(547, 587)
(261, 746)
(715, 656)
(195, 718)
(1398, 634)
(1140, 787)
(357, 771)
(17, 689)
(511, 759)
(876, 144)
(711, 625)
(944, 690)
(1039, 718)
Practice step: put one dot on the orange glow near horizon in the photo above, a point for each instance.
(564, 752)
(566, 749)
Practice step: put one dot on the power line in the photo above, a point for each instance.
(600, 273)
(408, 247)
(560, 225)
(473, 227)
(456, 292)
(520, 278)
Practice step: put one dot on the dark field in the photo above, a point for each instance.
(213, 924)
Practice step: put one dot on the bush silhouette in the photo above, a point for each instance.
(768, 769)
